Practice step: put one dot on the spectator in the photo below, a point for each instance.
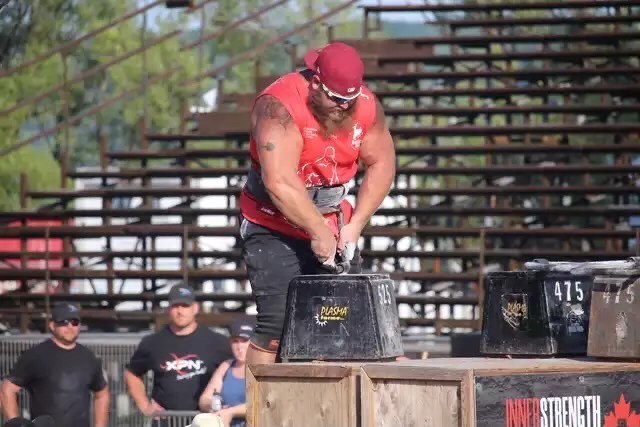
(229, 379)
(59, 375)
(182, 357)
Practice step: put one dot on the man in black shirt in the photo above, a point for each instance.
(182, 357)
(59, 375)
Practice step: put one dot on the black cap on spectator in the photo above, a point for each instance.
(65, 311)
(243, 328)
(181, 294)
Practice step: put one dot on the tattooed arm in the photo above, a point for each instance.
(279, 146)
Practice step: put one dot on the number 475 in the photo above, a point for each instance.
(568, 285)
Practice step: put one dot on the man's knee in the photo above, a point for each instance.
(257, 355)
(269, 322)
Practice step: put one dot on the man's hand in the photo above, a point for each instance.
(226, 415)
(323, 245)
(151, 408)
(349, 236)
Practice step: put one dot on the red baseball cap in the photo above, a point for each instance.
(339, 67)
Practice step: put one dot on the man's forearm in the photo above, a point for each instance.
(137, 391)
(101, 409)
(374, 188)
(239, 410)
(292, 200)
(9, 403)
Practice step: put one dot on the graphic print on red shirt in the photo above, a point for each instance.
(323, 161)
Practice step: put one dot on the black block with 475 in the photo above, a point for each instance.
(536, 312)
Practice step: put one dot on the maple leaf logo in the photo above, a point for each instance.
(622, 412)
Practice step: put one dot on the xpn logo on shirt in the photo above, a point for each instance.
(185, 367)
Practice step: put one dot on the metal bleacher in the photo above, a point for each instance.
(516, 129)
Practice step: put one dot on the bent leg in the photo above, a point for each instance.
(271, 262)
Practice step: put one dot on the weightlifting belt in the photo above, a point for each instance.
(326, 199)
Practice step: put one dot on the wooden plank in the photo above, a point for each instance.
(243, 153)
(493, 254)
(417, 369)
(531, 21)
(597, 128)
(456, 368)
(522, 75)
(177, 230)
(303, 370)
(605, 211)
(499, 6)
(234, 191)
(327, 391)
(566, 55)
(502, 367)
(412, 403)
(367, 416)
(253, 391)
(509, 91)
(468, 401)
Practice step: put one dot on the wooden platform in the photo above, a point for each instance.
(447, 392)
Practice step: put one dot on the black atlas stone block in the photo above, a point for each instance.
(465, 344)
(341, 317)
(536, 312)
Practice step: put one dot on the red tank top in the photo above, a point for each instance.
(323, 161)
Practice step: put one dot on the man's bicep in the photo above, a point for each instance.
(378, 144)
(140, 361)
(23, 370)
(99, 378)
(278, 140)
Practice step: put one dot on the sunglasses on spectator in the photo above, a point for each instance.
(72, 322)
(340, 100)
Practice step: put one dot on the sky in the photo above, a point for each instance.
(157, 11)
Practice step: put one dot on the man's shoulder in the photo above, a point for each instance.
(85, 351)
(156, 336)
(40, 348)
(288, 80)
(286, 88)
(209, 334)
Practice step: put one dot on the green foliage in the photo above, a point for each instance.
(32, 28)
(45, 24)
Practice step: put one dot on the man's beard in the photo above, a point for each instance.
(64, 340)
(333, 120)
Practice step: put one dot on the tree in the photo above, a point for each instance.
(40, 25)
(48, 23)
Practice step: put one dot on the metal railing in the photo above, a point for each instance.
(170, 419)
(114, 350)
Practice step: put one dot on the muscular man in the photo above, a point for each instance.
(309, 131)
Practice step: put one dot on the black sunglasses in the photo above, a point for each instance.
(72, 322)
